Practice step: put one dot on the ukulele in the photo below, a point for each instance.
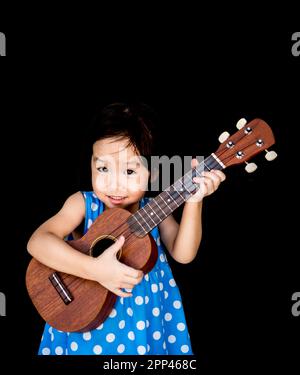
(70, 303)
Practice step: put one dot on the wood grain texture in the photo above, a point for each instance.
(92, 302)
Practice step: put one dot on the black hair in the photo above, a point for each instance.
(136, 122)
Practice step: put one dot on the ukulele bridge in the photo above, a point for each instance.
(61, 289)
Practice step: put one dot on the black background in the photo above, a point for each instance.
(237, 292)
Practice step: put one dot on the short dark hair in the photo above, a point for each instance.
(137, 122)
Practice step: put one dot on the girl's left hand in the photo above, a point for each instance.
(208, 183)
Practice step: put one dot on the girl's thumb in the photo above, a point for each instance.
(117, 245)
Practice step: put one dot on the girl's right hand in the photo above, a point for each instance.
(114, 275)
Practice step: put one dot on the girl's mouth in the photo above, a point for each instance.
(115, 199)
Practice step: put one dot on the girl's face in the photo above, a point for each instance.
(119, 177)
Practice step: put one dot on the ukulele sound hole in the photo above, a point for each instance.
(101, 244)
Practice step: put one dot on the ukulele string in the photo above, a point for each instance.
(135, 227)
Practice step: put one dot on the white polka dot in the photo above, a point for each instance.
(166, 294)
(46, 351)
(146, 277)
(52, 337)
(94, 206)
(162, 258)
(128, 290)
(139, 300)
(171, 339)
(141, 349)
(184, 348)
(74, 346)
(161, 286)
(100, 327)
(50, 330)
(164, 345)
(177, 304)
(121, 348)
(97, 349)
(168, 317)
(156, 335)
(122, 324)
(87, 336)
(156, 311)
(148, 348)
(90, 222)
(59, 350)
(113, 313)
(146, 300)
(147, 323)
(158, 241)
(110, 337)
(154, 288)
(181, 326)
(42, 338)
(172, 282)
(131, 335)
(122, 300)
(129, 311)
(94, 195)
(140, 325)
(162, 273)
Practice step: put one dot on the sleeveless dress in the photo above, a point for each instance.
(150, 322)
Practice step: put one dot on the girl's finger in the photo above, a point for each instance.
(132, 272)
(219, 174)
(120, 293)
(194, 163)
(214, 177)
(126, 285)
(132, 280)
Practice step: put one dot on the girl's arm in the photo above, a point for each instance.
(47, 245)
(182, 241)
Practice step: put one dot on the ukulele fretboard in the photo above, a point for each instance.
(160, 207)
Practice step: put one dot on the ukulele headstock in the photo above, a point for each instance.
(251, 139)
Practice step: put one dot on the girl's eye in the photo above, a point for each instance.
(102, 169)
(130, 171)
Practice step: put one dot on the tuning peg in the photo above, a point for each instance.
(250, 167)
(270, 155)
(223, 137)
(241, 123)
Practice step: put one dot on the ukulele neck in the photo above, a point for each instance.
(160, 207)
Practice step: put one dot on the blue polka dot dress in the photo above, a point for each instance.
(150, 322)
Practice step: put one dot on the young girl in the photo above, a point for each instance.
(148, 317)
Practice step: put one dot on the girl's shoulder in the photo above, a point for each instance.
(93, 205)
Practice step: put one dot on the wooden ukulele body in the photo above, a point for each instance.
(70, 303)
